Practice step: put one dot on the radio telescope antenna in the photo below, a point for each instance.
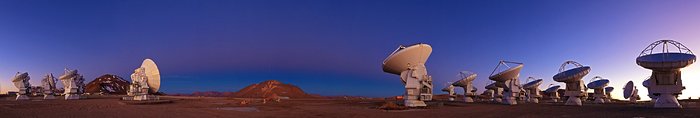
(630, 92)
(609, 90)
(21, 81)
(145, 82)
(508, 79)
(572, 78)
(551, 91)
(49, 85)
(532, 89)
(466, 82)
(665, 80)
(409, 64)
(450, 89)
(598, 85)
(496, 92)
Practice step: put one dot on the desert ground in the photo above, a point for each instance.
(208, 107)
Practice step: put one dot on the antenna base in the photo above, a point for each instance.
(468, 99)
(22, 97)
(667, 101)
(72, 96)
(49, 97)
(509, 98)
(574, 98)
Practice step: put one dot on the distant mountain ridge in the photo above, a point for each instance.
(107, 84)
(269, 88)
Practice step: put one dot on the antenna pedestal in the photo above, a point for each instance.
(667, 95)
(49, 97)
(22, 94)
(600, 96)
(667, 85)
(21, 97)
(554, 97)
(509, 98)
(667, 101)
(608, 99)
(71, 94)
(574, 98)
(534, 95)
(468, 99)
(498, 97)
(418, 86)
(633, 99)
(468, 95)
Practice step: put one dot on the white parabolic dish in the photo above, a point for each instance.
(463, 82)
(19, 77)
(598, 84)
(507, 74)
(491, 86)
(533, 84)
(153, 74)
(628, 90)
(400, 59)
(572, 74)
(609, 89)
(552, 89)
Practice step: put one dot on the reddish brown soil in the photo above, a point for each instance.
(207, 107)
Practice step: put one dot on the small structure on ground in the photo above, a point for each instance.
(71, 81)
(21, 81)
(598, 85)
(49, 86)
(532, 90)
(466, 82)
(630, 92)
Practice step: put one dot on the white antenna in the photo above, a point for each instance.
(551, 91)
(572, 77)
(145, 81)
(70, 80)
(508, 80)
(49, 85)
(532, 89)
(21, 81)
(665, 81)
(496, 92)
(609, 90)
(409, 64)
(598, 85)
(450, 89)
(466, 82)
(630, 92)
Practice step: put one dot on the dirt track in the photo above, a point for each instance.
(204, 107)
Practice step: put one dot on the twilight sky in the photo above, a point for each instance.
(337, 47)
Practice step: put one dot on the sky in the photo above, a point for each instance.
(337, 47)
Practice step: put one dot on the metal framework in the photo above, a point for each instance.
(504, 63)
(595, 78)
(563, 66)
(665, 47)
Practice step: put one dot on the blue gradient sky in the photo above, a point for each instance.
(336, 47)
